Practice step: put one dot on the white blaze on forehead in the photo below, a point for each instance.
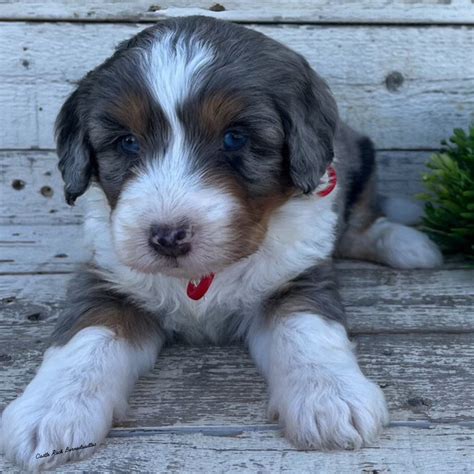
(175, 66)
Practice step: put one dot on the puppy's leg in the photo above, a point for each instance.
(317, 389)
(392, 244)
(370, 236)
(387, 242)
(373, 227)
(100, 347)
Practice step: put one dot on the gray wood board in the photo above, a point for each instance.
(400, 449)
(274, 11)
(424, 376)
(416, 112)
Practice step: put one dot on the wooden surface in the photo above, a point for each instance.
(425, 376)
(271, 11)
(401, 72)
(406, 87)
(203, 409)
(401, 449)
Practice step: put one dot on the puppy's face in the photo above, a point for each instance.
(197, 131)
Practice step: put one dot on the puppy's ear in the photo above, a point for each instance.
(75, 155)
(310, 125)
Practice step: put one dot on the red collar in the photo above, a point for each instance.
(331, 182)
(196, 289)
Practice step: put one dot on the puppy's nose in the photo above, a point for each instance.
(170, 240)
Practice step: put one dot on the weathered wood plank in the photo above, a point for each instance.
(400, 449)
(41, 248)
(274, 11)
(38, 71)
(377, 299)
(424, 376)
(32, 188)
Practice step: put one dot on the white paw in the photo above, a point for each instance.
(403, 247)
(41, 429)
(324, 412)
(67, 409)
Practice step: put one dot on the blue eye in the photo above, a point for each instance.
(234, 141)
(129, 145)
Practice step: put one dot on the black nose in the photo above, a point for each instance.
(171, 241)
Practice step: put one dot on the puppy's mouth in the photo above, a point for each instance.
(192, 268)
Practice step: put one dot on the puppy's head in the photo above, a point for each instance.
(197, 130)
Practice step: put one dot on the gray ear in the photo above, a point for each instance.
(310, 127)
(75, 156)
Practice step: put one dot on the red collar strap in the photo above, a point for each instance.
(330, 184)
(196, 289)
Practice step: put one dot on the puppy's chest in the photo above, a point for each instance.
(217, 317)
(210, 324)
(206, 320)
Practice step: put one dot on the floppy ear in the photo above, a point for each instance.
(75, 156)
(310, 126)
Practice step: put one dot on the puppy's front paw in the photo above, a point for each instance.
(327, 412)
(46, 427)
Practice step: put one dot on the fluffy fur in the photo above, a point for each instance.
(253, 218)
(317, 390)
(72, 400)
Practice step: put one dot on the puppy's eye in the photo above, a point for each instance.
(234, 140)
(129, 145)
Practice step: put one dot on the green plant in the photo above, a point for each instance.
(449, 206)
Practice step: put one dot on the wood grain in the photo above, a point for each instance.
(32, 188)
(377, 299)
(38, 71)
(274, 11)
(432, 449)
(426, 377)
(42, 248)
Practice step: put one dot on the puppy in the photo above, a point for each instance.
(221, 183)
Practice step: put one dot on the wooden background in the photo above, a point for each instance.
(403, 72)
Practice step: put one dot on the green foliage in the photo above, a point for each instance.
(449, 206)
